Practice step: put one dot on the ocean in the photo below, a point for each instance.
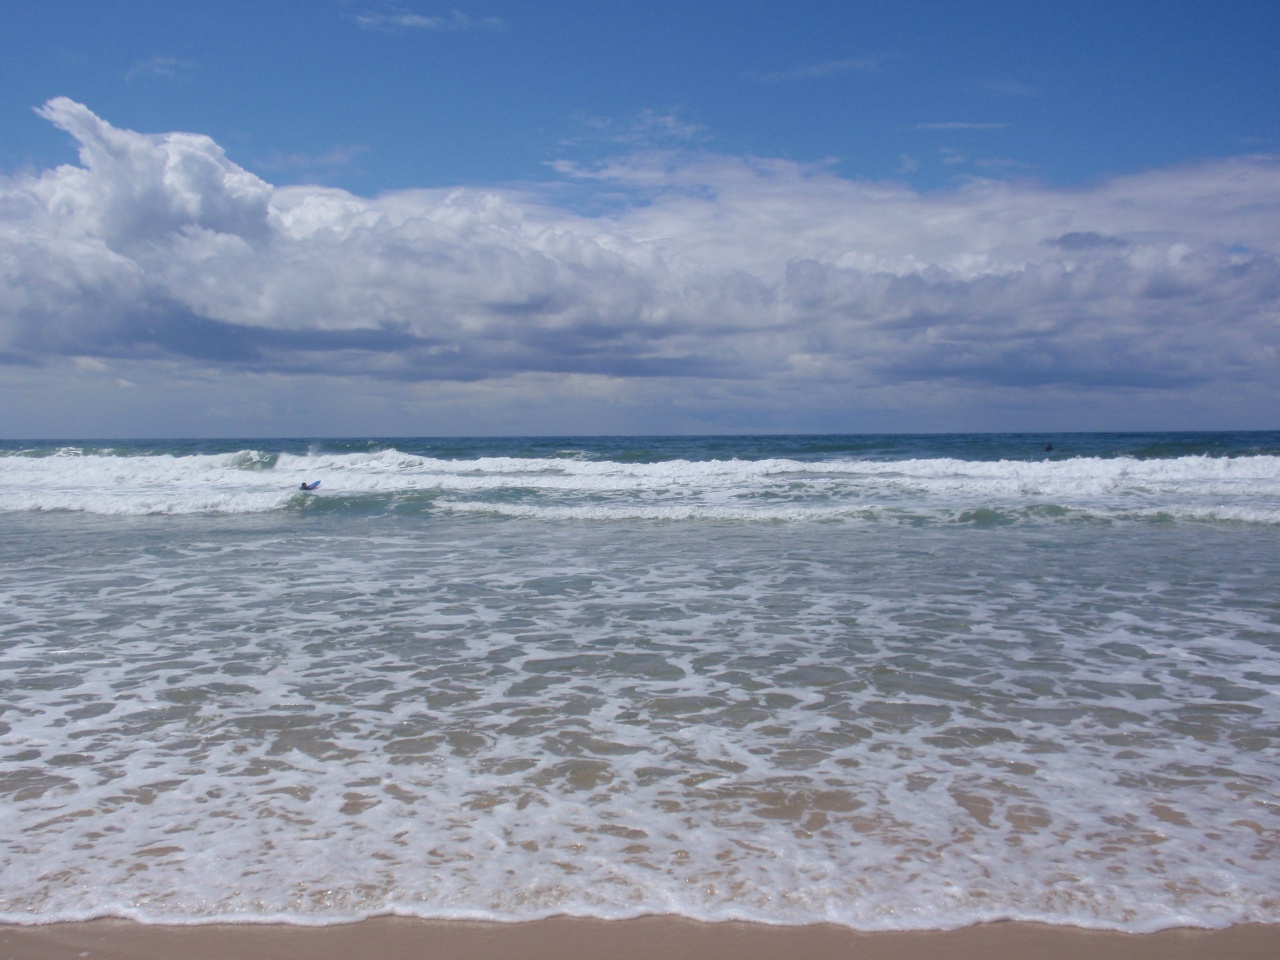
(889, 682)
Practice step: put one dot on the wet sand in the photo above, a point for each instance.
(664, 938)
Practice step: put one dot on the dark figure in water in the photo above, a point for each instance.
(309, 486)
(1046, 449)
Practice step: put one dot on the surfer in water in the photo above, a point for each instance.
(309, 486)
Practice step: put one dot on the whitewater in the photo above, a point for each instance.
(887, 682)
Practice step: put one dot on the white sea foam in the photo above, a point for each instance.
(881, 726)
(1242, 489)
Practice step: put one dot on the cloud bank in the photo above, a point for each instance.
(717, 276)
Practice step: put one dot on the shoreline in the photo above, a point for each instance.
(664, 937)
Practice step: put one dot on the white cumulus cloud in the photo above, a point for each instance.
(717, 273)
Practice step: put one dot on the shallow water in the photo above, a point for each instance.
(505, 682)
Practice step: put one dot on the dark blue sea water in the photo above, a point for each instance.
(803, 447)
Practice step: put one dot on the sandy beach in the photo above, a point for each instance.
(669, 938)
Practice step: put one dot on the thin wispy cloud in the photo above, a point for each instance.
(339, 158)
(820, 71)
(1003, 163)
(1008, 88)
(399, 20)
(159, 67)
(960, 125)
(647, 128)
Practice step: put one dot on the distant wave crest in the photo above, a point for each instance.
(982, 492)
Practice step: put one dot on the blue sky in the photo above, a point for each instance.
(382, 97)
(345, 217)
